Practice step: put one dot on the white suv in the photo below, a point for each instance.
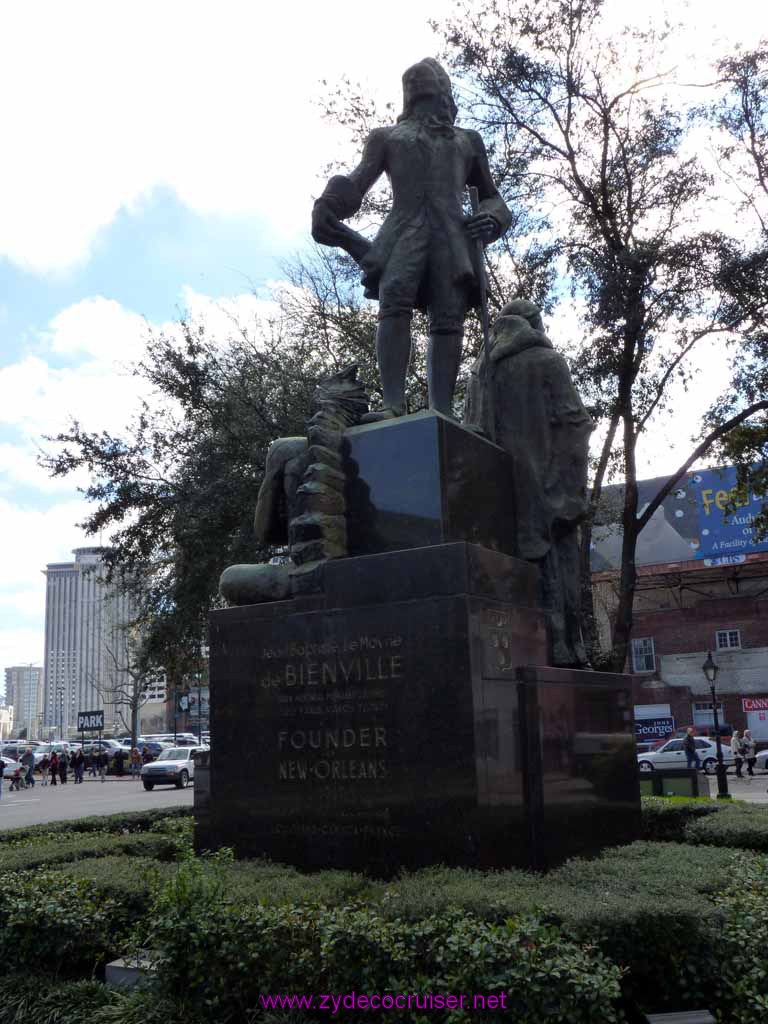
(175, 766)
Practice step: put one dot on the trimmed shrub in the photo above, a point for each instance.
(227, 957)
(743, 940)
(664, 818)
(127, 880)
(133, 821)
(58, 849)
(58, 924)
(744, 827)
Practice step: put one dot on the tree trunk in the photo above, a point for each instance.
(622, 629)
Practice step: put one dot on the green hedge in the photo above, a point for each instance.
(632, 900)
(664, 818)
(733, 824)
(744, 827)
(226, 956)
(58, 924)
(47, 851)
(133, 821)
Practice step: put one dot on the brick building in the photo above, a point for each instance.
(695, 604)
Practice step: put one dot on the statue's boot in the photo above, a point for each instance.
(393, 352)
(443, 359)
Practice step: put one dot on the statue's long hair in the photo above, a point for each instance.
(448, 109)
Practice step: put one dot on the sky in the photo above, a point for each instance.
(162, 158)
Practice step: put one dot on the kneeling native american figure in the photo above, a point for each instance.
(541, 421)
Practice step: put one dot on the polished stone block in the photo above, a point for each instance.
(373, 729)
(425, 479)
(583, 786)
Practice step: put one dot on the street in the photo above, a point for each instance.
(64, 803)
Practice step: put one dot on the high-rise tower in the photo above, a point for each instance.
(85, 623)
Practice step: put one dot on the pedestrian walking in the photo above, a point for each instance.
(78, 766)
(63, 767)
(54, 768)
(102, 761)
(689, 746)
(119, 762)
(737, 749)
(750, 752)
(93, 768)
(135, 763)
(28, 760)
(2, 776)
(146, 757)
(45, 765)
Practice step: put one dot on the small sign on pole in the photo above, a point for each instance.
(90, 721)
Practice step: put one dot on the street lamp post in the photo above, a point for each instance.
(710, 670)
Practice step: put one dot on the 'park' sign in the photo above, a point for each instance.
(88, 721)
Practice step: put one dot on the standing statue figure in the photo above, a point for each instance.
(424, 254)
(541, 421)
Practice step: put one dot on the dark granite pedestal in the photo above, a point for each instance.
(386, 724)
(425, 479)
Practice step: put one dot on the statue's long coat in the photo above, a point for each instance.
(541, 421)
(429, 168)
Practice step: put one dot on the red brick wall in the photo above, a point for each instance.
(681, 630)
(684, 630)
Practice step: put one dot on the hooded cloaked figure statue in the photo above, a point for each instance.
(423, 256)
(541, 421)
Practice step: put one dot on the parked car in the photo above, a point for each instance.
(762, 761)
(175, 766)
(672, 755)
(48, 748)
(10, 766)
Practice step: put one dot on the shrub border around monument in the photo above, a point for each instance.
(655, 924)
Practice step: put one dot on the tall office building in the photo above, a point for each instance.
(24, 693)
(85, 634)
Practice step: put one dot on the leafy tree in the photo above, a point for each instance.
(592, 151)
(587, 126)
(741, 118)
(176, 490)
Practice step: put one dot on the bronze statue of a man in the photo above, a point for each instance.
(424, 254)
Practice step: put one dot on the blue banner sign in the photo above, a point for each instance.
(724, 533)
(692, 523)
(654, 728)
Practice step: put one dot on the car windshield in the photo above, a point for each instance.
(176, 754)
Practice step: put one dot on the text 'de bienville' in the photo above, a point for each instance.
(338, 670)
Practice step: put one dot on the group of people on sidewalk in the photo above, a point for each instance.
(55, 769)
(743, 749)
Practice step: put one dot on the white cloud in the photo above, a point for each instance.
(98, 327)
(32, 537)
(215, 102)
(20, 646)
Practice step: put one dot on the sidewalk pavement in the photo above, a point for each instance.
(754, 791)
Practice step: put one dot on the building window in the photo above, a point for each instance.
(643, 655)
(702, 713)
(726, 639)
